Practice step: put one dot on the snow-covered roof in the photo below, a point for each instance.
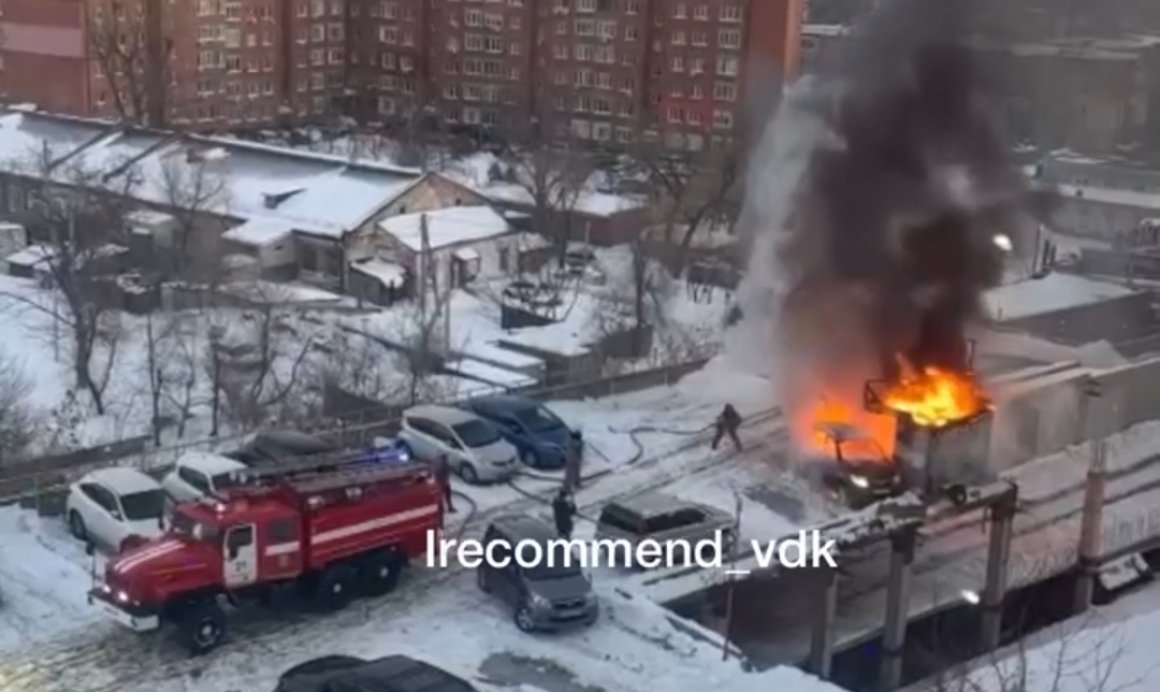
(446, 227)
(491, 374)
(1107, 195)
(311, 193)
(148, 217)
(1051, 293)
(259, 231)
(388, 273)
(209, 463)
(592, 203)
(32, 256)
(532, 241)
(123, 480)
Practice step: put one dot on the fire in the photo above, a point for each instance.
(831, 409)
(934, 397)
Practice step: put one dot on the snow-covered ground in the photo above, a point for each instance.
(1107, 648)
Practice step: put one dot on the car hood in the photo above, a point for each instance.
(561, 589)
(560, 437)
(160, 555)
(145, 528)
(874, 471)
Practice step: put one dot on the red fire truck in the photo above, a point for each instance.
(331, 530)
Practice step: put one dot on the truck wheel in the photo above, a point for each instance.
(379, 572)
(76, 526)
(202, 626)
(336, 587)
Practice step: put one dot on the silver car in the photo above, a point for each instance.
(664, 518)
(473, 447)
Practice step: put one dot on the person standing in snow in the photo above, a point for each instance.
(443, 478)
(727, 424)
(563, 510)
(572, 469)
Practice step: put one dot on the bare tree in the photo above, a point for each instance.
(554, 176)
(194, 192)
(19, 422)
(80, 213)
(635, 303)
(127, 45)
(692, 193)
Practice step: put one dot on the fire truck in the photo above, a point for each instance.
(326, 530)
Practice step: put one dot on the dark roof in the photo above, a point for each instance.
(504, 401)
(522, 526)
(388, 674)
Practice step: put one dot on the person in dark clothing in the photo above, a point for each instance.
(727, 424)
(563, 510)
(572, 469)
(443, 477)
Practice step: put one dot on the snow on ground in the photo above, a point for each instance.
(1048, 294)
(1109, 648)
(44, 575)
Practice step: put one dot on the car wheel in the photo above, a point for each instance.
(523, 618)
(76, 526)
(530, 459)
(481, 580)
(468, 474)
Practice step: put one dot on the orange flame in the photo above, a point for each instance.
(935, 397)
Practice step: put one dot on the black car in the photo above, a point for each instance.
(272, 447)
(857, 470)
(350, 674)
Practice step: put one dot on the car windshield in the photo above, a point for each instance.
(861, 449)
(476, 433)
(143, 505)
(538, 419)
(184, 525)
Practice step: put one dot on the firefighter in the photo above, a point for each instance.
(443, 477)
(727, 424)
(563, 509)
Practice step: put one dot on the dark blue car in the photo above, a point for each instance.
(541, 438)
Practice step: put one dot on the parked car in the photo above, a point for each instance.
(282, 445)
(553, 595)
(474, 448)
(198, 474)
(350, 674)
(540, 437)
(114, 507)
(858, 472)
(663, 518)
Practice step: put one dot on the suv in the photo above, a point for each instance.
(664, 518)
(350, 674)
(551, 596)
(858, 472)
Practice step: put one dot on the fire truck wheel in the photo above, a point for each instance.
(336, 588)
(76, 525)
(202, 626)
(468, 474)
(379, 572)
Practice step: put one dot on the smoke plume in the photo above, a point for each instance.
(896, 212)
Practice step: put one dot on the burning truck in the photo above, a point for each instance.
(905, 216)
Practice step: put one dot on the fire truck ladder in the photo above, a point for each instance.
(327, 472)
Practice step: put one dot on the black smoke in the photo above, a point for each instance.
(894, 242)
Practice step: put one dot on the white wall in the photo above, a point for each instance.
(278, 254)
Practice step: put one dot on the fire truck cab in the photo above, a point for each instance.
(330, 532)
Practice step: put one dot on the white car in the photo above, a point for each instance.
(474, 448)
(198, 474)
(108, 506)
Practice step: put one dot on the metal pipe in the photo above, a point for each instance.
(998, 563)
(897, 608)
(822, 641)
(1090, 528)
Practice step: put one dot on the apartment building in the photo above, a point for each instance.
(686, 72)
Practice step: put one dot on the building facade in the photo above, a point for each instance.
(603, 71)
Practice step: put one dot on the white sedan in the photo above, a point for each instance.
(473, 447)
(108, 506)
(199, 474)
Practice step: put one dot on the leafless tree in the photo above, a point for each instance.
(692, 193)
(554, 175)
(80, 213)
(127, 45)
(636, 302)
(184, 364)
(265, 364)
(19, 421)
(193, 189)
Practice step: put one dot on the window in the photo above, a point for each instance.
(237, 538)
(149, 504)
(730, 13)
(729, 38)
(725, 91)
(102, 497)
(701, 13)
(723, 120)
(727, 66)
(194, 478)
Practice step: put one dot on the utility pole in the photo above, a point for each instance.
(1091, 524)
(424, 266)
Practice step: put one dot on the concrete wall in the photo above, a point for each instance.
(1117, 319)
